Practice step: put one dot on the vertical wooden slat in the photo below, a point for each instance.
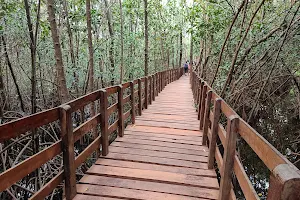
(120, 111)
(229, 153)
(200, 99)
(104, 121)
(132, 102)
(68, 151)
(146, 93)
(150, 90)
(197, 91)
(206, 118)
(214, 132)
(140, 96)
(202, 106)
(153, 87)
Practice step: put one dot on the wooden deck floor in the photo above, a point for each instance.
(160, 157)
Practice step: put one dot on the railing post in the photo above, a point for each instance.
(214, 133)
(153, 87)
(120, 111)
(206, 118)
(202, 106)
(284, 183)
(132, 102)
(68, 151)
(197, 91)
(140, 96)
(200, 99)
(228, 158)
(150, 90)
(146, 92)
(104, 121)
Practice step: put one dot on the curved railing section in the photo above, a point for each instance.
(284, 178)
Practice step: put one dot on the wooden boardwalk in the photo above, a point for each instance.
(159, 157)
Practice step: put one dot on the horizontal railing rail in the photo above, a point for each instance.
(147, 88)
(284, 178)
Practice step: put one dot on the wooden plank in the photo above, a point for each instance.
(111, 90)
(83, 101)
(156, 167)
(172, 121)
(196, 139)
(132, 100)
(120, 111)
(206, 118)
(16, 173)
(159, 143)
(202, 152)
(151, 186)
(126, 99)
(113, 127)
(17, 127)
(126, 115)
(164, 139)
(68, 151)
(151, 153)
(104, 122)
(91, 197)
(166, 125)
(228, 160)
(113, 108)
(48, 187)
(88, 151)
(127, 193)
(157, 160)
(126, 85)
(164, 130)
(140, 96)
(265, 151)
(156, 176)
(86, 127)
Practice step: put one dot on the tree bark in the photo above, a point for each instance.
(111, 47)
(180, 49)
(90, 45)
(122, 43)
(61, 79)
(146, 36)
(12, 74)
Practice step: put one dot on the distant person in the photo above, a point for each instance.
(186, 67)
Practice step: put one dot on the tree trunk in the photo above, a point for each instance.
(12, 74)
(111, 47)
(146, 36)
(180, 49)
(71, 47)
(122, 43)
(90, 44)
(61, 79)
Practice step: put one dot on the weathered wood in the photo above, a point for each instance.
(146, 92)
(126, 115)
(113, 108)
(17, 127)
(284, 183)
(127, 99)
(214, 133)
(95, 145)
(113, 127)
(153, 87)
(204, 94)
(14, 174)
(140, 96)
(83, 101)
(68, 151)
(150, 89)
(86, 127)
(132, 103)
(104, 121)
(48, 187)
(120, 111)
(126, 85)
(111, 90)
(206, 118)
(229, 153)
(200, 99)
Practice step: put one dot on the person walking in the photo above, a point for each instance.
(186, 67)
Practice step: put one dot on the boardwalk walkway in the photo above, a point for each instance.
(160, 157)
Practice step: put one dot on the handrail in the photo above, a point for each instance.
(285, 177)
(153, 84)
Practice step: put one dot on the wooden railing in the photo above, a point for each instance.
(148, 88)
(284, 178)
